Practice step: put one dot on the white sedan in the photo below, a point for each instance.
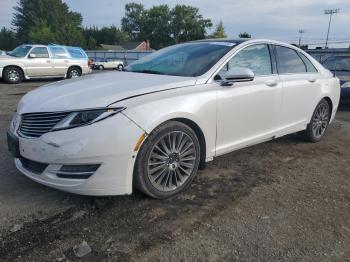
(110, 64)
(152, 126)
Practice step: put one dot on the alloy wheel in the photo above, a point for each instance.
(171, 161)
(320, 119)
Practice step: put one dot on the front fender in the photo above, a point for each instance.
(193, 103)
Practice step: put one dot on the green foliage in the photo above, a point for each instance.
(219, 31)
(106, 35)
(40, 17)
(164, 26)
(8, 39)
(244, 35)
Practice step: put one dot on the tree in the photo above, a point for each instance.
(187, 24)
(8, 39)
(164, 26)
(37, 20)
(219, 31)
(134, 21)
(244, 35)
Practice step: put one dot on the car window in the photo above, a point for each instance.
(40, 52)
(58, 52)
(309, 66)
(339, 63)
(257, 58)
(288, 61)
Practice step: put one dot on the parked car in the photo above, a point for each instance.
(109, 64)
(340, 66)
(40, 61)
(153, 125)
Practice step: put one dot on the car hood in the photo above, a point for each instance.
(97, 90)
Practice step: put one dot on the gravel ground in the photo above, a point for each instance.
(285, 200)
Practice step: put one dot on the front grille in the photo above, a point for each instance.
(37, 124)
(32, 166)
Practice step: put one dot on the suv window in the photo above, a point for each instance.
(256, 57)
(76, 53)
(40, 52)
(288, 61)
(58, 52)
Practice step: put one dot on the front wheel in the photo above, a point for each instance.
(168, 160)
(13, 75)
(319, 122)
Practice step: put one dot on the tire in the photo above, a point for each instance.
(13, 75)
(73, 72)
(319, 122)
(171, 173)
(100, 67)
(120, 67)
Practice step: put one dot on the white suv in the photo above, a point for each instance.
(40, 61)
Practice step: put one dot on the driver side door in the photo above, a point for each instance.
(247, 112)
(38, 62)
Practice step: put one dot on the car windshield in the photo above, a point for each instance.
(338, 63)
(191, 59)
(20, 51)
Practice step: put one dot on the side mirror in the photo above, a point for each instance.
(32, 56)
(237, 74)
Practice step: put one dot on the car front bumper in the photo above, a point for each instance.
(109, 143)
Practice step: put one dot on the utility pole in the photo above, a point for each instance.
(301, 32)
(330, 12)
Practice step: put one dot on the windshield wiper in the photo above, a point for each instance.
(149, 72)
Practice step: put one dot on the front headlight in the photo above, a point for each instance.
(345, 85)
(86, 117)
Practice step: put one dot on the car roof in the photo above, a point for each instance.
(223, 40)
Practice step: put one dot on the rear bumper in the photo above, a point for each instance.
(1, 70)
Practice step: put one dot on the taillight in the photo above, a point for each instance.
(90, 62)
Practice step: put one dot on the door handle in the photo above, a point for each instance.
(271, 83)
(312, 80)
(66, 61)
(48, 61)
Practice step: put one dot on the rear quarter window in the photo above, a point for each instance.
(77, 53)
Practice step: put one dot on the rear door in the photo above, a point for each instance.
(300, 87)
(60, 60)
(39, 64)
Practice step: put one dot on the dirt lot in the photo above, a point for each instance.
(285, 200)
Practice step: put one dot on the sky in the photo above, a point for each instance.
(276, 19)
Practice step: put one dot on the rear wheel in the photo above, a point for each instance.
(120, 67)
(13, 75)
(168, 160)
(100, 67)
(319, 122)
(73, 72)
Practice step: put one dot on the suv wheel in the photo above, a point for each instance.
(13, 75)
(73, 72)
(168, 160)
